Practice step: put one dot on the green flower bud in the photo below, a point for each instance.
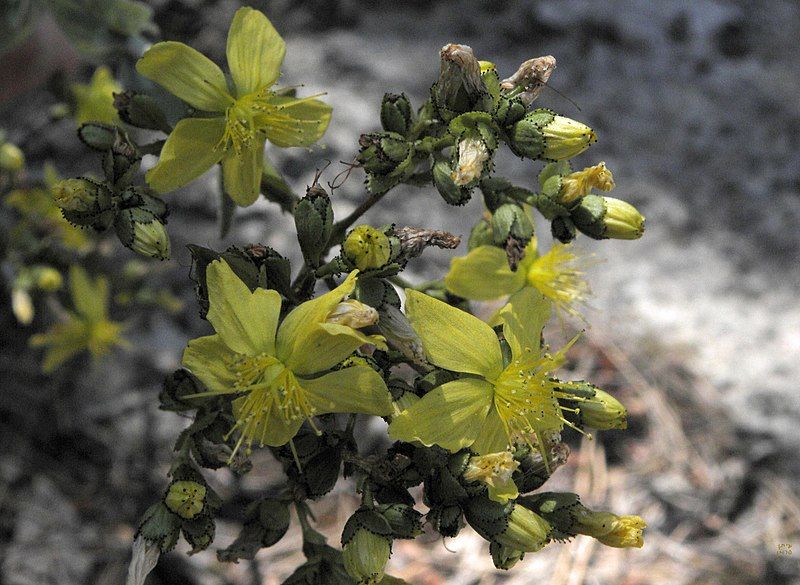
(151, 239)
(510, 525)
(313, 217)
(367, 248)
(403, 519)
(443, 180)
(396, 113)
(565, 138)
(606, 217)
(481, 235)
(525, 138)
(563, 229)
(11, 158)
(603, 412)
(509, 111)
(79, 195)
(366, 546)
(48, 278)
(526, 530)
(382, 152)
(459, 88)
(534, 471)
(22, 306)
(446, 520)
(186, 498)
(512, 229)
(503, 556)
(140, 110)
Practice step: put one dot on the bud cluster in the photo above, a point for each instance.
(136, 213)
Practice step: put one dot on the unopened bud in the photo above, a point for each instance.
(526, 530)
(22, 306)
(140, 110)
(382, 152)
(354, 314)
(472, 157)
(606, 217)
(186, 498)
(503, 556)
(459, 87)
(396, 113)
(565, 138)
(443, 180)
(151, 239)
(481, 235)
(603, 412)
(610, 529)
(534, 471)
(531, 77)
(367, 248)
(511, 525)
(313, 218)
(403, 519)
(512, 229)
(48, 278)
(79, 195)
(577, 185)
(563, 229)
(366, 546)
(12, 159)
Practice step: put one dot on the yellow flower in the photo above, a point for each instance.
(367, 247)
(244, 117)
(495, 405)
(186, 498)
(281, 372)
(94, 102)
(86, 329)
(484, 275)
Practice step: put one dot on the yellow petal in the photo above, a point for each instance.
(187, 74)
(205, 357)
(190, 150)
(255, 51)
(241, 172)
(453, 339)
(246, 321)
(299, 336)
(294, 122)
(326, 345)
(483, 275)
(449, 416)
(269, 428)
(523, 318)
(90, 299)
(356, 389)
(492, 437)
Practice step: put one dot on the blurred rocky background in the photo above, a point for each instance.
(696, 326)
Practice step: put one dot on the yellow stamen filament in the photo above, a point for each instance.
(560, 276)
(526, 398)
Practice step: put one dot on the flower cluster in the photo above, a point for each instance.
(475, 409)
